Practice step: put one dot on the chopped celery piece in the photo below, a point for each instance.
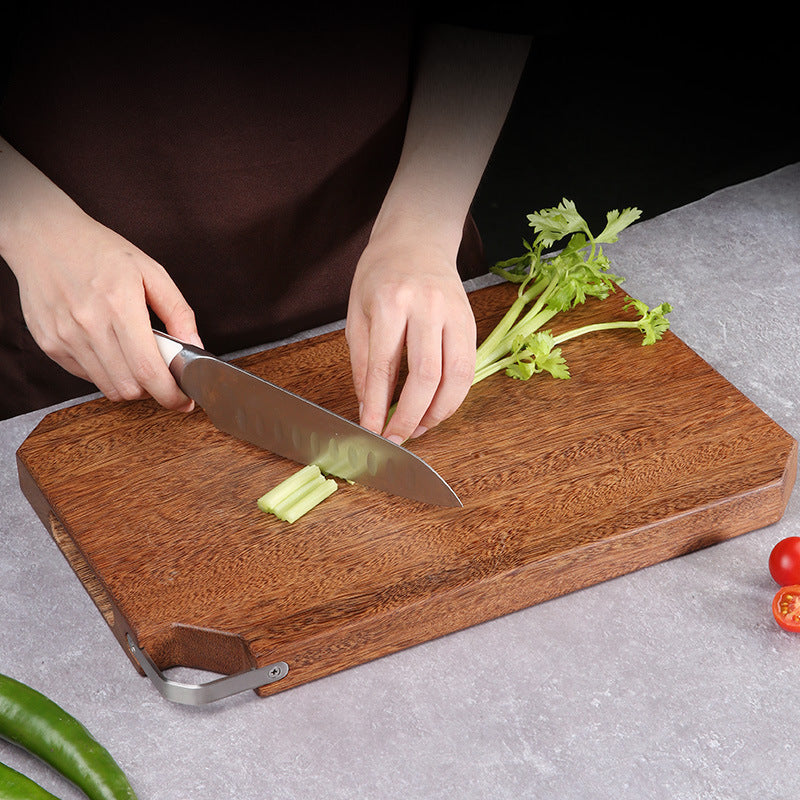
(298, 494)
(313, 497)
(277, 495)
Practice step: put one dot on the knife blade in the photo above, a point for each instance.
(259, 412)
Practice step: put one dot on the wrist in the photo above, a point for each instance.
(421, 218)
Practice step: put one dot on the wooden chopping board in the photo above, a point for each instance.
(646, 453)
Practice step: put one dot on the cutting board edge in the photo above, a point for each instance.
(31, 490)
(177, 644)
(75, 558)
(790, 472)
(467, 606)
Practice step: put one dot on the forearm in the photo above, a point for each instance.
(464, 86)
(29, 201)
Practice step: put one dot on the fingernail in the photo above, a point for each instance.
(395, 439)
(419, 431)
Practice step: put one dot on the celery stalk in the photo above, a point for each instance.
(311, 498)
(284, 489)
(298, 494)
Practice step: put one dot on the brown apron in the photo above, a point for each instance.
(248, 160)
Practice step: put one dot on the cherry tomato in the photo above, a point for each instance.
(786, 608)
(784, 561)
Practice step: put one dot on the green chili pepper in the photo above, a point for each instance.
(40, 726)
(15, 786)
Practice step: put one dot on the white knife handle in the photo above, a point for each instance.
(167, 346)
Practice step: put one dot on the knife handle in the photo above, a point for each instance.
(167, 346)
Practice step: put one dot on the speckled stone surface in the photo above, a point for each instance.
(672, 682)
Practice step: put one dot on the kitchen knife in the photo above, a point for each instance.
(257, 411)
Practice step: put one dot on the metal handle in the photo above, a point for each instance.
(201, 693)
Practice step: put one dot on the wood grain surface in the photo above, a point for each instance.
(645, 454)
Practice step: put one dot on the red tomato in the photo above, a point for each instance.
(784, 561)
(786, 608)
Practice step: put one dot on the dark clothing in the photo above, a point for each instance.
(249, 160)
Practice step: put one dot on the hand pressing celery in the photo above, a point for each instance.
(549, 285)
(298, 494)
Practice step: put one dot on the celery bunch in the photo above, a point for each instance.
(551, 284)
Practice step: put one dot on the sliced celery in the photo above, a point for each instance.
(298, 494)
(284, 489)
(310, 499)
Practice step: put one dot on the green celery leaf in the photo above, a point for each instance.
(522, 370)
(555, 223)
(616, 222)
(554, 363)
(536, 353)
(653, 321)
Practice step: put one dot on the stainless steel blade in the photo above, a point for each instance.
(262, 413)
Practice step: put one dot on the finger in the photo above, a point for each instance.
(77, 340)
(146, 370)
(386, 337)
(72, 366)
(357, 336)
(424, 347)
(80, 357)
(458, 372)
(115, 346)
(104, 357)
(144, 362)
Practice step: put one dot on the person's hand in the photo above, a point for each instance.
(407, 296)
(85, 290)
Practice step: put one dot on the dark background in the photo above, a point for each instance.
(653, 108)
(655, 114)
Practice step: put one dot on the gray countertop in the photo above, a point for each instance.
(670, 682)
